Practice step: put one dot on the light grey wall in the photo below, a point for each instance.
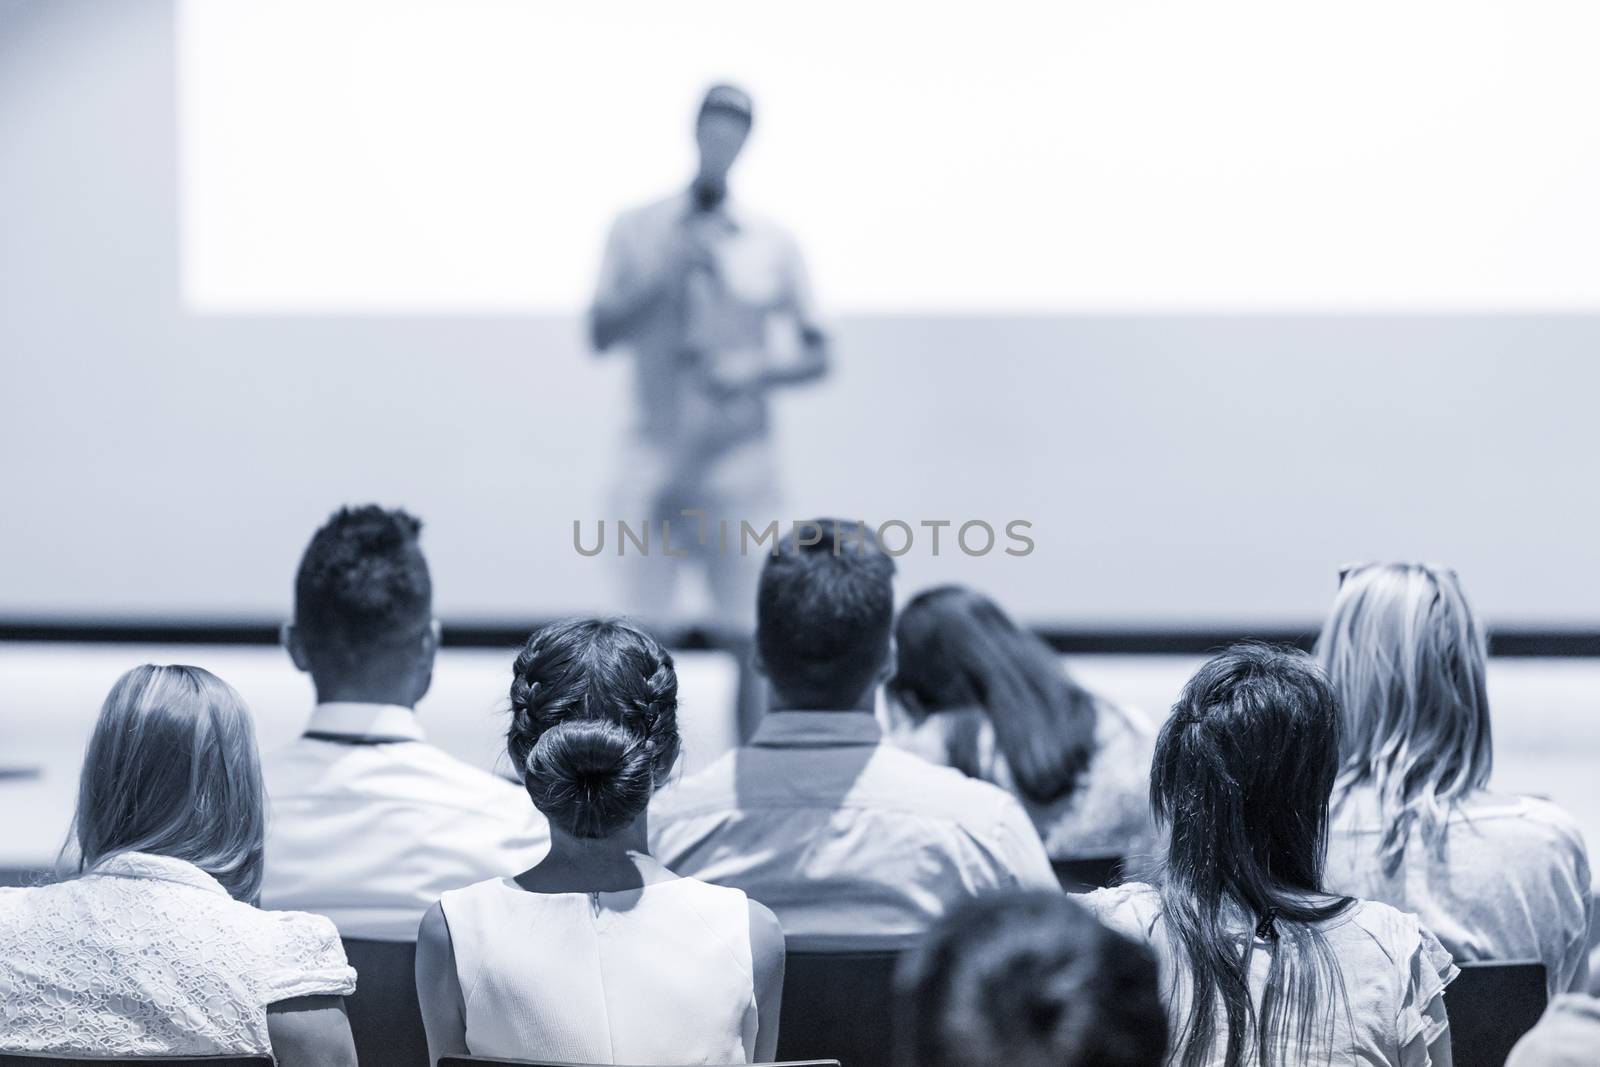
(1177, 470)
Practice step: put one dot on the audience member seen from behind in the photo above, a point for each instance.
(1495, 876)
(157, 947)
(1263, 965)
(1028, 980)
(370, 823)
(846, 836)
(985, 696)
(1567, 1036)
(598, 954)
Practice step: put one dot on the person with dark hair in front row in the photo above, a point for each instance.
(598, 953)
(1028, 980)
(370, 823)
(1263, 966)
(847, 837)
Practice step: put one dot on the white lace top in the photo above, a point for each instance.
(150, 955)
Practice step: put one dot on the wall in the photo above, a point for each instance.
(1178, 470)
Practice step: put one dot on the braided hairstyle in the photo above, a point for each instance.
(594, 723)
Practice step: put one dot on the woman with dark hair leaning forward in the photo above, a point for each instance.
(1261, 964)
(157, 948)
(981, 694)
(598, 954)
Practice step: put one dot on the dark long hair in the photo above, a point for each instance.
(1240, 785)
(957, 649)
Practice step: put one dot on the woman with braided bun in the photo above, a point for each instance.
(598, 954)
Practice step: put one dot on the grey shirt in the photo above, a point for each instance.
(1508, 881)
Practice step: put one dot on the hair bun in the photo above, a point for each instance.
(591, 776)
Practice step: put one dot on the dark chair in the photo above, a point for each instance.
(22, 876)
(385, 1019)
(480, 1061)
(838, 1005)
(32, 1059)
(1083, 875)
(1491, 1005)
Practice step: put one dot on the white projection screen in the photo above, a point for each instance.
(1217, 296)
(1143, 156)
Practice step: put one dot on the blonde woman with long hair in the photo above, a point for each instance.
(156, 947)
(1494, 876)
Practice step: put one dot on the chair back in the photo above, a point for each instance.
(1491, 1005)
(39, 1059)
(385, 1018)
(838, 1005)
(483, 1061)
(24, 877)
(1084, 875)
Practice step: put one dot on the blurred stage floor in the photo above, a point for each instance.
(1546, 717)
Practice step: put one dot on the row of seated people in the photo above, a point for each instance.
(1316, 845)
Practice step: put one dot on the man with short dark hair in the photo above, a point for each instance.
(370, 823)
(846, 837)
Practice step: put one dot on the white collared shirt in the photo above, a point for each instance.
(371, 830)
(849, 839)
(148, 955)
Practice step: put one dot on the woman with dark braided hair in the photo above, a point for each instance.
(598, 954)
(1262, 966)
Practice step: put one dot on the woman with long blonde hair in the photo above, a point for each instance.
(156, 946)
(1494, 876)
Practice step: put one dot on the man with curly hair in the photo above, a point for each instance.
(370, 823)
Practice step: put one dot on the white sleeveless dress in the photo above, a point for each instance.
(657, 975)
